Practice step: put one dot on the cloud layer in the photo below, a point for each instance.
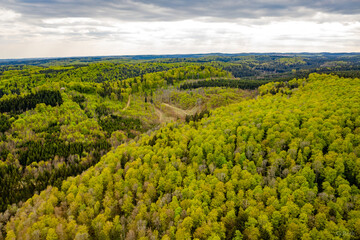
(44, 28)
(156, 10)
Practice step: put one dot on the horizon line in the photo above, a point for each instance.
(174, 54)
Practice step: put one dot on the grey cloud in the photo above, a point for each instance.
(165, 10)
(128, 26)
(123, 9)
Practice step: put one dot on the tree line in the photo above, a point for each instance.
(231, 83)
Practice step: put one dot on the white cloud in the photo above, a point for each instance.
(7, 15)
(85, 36)
(70, 20)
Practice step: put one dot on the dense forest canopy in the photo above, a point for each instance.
(279, 167)
(247, 146)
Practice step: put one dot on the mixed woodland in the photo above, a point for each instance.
(180, 147)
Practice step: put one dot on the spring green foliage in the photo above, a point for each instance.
(114, 123)
(57, 121)
(291, 61)
(208, 98)
(283, 166)
(153, 81)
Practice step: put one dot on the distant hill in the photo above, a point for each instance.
(89, 59)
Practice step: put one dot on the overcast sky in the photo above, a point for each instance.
(61, 28)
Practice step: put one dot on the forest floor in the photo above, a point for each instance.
(168, 113)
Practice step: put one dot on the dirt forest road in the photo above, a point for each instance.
(167, 112)
(128, 103)
(160, 115)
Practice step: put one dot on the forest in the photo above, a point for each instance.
(181, 147)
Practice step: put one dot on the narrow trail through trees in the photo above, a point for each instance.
(160, 114)
(128, 103)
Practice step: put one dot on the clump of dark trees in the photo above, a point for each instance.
(231, 83)
(23, 103)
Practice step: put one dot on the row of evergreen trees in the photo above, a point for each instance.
(243, 84)
(114, 123)
(27, 102)
(17, 185)
(197, 116)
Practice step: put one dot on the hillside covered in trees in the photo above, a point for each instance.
(58, 122)
(180, 147)
(282, 166)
